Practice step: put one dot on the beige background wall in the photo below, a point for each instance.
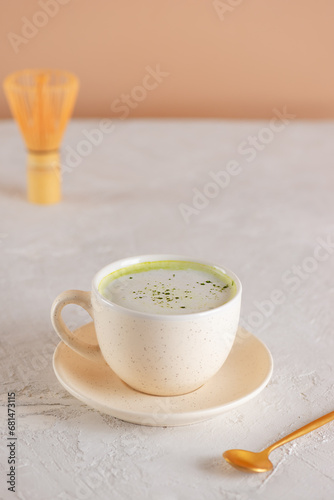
(229, 58)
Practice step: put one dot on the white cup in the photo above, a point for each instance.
(158, 354)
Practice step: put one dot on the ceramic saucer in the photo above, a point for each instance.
(244, 374)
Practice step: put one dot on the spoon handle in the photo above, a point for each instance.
(303, 430)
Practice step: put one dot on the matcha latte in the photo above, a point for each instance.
(164, 324)
(168, 287)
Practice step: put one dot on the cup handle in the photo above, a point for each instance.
(79, 298)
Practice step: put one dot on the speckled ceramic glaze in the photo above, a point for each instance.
(244, 375)
(163, 355)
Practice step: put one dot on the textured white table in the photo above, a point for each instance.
(124, 199)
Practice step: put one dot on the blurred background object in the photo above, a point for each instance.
(219, 58)
(42, 102)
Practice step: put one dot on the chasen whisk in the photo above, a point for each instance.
(42, 102)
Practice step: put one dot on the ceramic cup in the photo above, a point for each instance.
(158, 354)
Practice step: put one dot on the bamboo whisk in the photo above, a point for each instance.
(42, 102)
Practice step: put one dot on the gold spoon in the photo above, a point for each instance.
(250, 461)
